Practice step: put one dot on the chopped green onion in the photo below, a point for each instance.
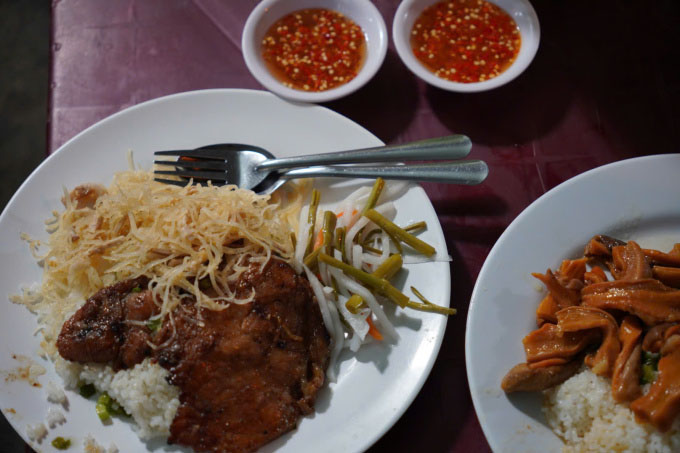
(60, 443)
(399, 233)
(648, 374)
(651, 358)
(102, 407)
(87, 390)
(154, 324)
(136, 289)
(116, 409)
(650, 364)
(107, 406)
(375, 194)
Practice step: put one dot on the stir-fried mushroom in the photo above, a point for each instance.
(601, 246)
(661, 405)
(578, 319)
(657, 257)
(564, 289)
(649, 299)
(669, 276)
(552, 349)
(523, 378)
(595, 275)
(629, 263)
(551, 343)
(581, 310)
(627, 368)
(654, 338)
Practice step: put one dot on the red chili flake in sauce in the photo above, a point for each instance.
(314, 49)
(465, 40)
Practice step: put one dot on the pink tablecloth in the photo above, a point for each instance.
(602, 88)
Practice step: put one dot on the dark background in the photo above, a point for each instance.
(24, 63)
(604, 83)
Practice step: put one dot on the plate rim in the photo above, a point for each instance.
(438, 231)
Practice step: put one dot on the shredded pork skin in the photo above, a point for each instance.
(638, 310)
(179, 237)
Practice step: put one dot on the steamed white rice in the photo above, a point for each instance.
(37, 432)
(90, 445)
(55, 417)
(583, 413)
(142, 390)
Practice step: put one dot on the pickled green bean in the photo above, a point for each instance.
(399, 233)
(379, 284)
(415, 226)
(355, 303)
(374, 195)
(311, 219)
(389, 267)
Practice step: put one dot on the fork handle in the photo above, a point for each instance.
(441, 148)
(468, 172)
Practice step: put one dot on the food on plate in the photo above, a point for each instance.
(465, 41)
(619, 332)
(191, 309)
(60, 443)
(254, 367)
(314, 49)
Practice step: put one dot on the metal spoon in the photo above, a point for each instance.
(251, 164)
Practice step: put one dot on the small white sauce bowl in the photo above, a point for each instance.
(362, 12)
(520, 10)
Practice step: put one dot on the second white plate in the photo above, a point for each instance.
(632, 199)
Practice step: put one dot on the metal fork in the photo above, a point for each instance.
(255, 168)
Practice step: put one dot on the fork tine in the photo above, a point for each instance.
(194, 164)
(207, 175)
(196, 153)
(174, 182)
(184, 182)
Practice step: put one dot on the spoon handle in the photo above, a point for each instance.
(468, 172)
(441, 148)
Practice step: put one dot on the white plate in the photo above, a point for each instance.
(373, 389)
(631, 199)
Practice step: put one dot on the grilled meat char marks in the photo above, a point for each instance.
(246, 373)
(99, 331)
